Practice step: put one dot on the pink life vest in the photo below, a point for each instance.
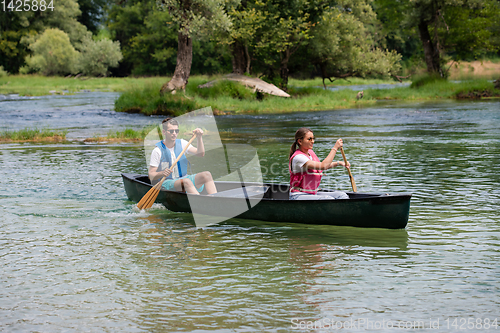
(306, 181)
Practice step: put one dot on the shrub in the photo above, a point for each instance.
(149, 101)
(53, 54)
(98, 56)
(3, 73)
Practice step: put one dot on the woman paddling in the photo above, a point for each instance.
(306, 169)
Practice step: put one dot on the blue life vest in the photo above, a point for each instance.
(166, 157)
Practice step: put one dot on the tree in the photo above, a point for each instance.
(247, 23)
(147, 40)
(53, 54)
(194, 18)
(460, 29)
(343, 47)
(285, 30)
(18, 29)
(92, 12)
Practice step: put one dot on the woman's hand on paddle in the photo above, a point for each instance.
(343, 164)
(198, 132)
(338, 144)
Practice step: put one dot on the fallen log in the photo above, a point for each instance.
(250, 82)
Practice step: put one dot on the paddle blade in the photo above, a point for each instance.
(149, 198)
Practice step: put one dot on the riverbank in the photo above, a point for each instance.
(231, 98)
(141, 95)
(37, 85)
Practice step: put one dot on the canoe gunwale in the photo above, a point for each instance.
(352, 195)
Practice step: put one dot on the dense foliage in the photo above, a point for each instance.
(272, 39)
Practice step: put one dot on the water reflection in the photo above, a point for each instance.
(76, 256)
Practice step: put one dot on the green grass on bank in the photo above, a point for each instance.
(231, 97)
(131, 134)
(439, 89)
(37, 85)
(318, 82)
(33, 134)
(142, 94)
(127, 135)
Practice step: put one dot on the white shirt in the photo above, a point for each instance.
(299, 161)
(156, 158)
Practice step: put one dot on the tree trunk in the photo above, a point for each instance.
(239, 58)
(284, 69)
(249, 60)
(183, 66)
(431, 52)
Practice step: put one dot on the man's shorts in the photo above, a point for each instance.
(168, 184)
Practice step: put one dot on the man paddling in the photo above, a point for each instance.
(166, 152)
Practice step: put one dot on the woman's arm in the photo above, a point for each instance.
(327, 163)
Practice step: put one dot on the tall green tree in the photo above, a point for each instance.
(460, 29)
(92, 14)
(343, 45)
(286, 29)
(248, 21)
(147, 39)
(194, 18)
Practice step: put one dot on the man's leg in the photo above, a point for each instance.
(185, 185)
(205, 177)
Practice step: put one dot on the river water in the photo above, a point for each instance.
(77, 257)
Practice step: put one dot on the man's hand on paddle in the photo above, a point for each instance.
(198, 132)
(166, 172)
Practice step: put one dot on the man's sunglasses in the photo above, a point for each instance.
(173, 131)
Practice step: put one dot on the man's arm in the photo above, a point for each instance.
(154, 165)
(155, 175)
(200, 148)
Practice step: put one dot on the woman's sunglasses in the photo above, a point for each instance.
(173, 131)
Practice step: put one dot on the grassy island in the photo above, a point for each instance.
(229, 97)
(33, 135)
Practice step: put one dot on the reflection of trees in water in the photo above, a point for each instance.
(323, 255)
(242, 273)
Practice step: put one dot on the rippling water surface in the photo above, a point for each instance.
(76, 256)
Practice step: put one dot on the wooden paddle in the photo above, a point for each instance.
(149, 198)
(354, 189)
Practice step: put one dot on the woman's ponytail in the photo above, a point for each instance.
(293, 148)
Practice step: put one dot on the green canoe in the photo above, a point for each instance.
(269, 202)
